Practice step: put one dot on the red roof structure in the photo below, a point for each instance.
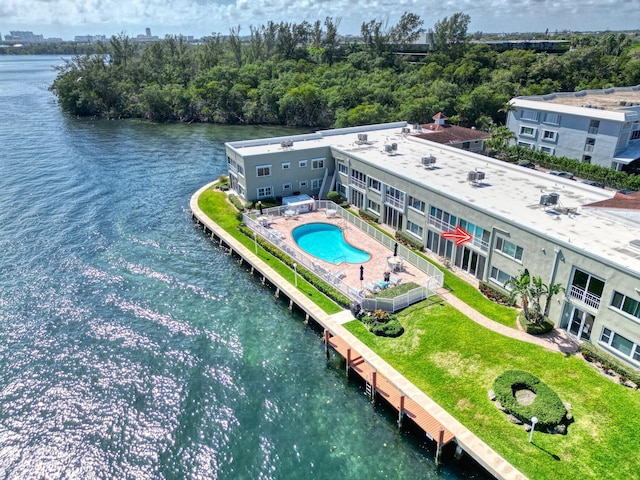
(620, 201)
(442, 132)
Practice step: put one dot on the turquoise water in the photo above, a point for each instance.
(130, 346)
(326, 242)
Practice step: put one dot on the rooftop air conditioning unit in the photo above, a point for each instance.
(362, 137)
(430, 160)
(394, 147)
(479, 175)
(472, 177)
(388, 148)
(553, 198)
(406, 130)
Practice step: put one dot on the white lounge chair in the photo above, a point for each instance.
(372, 287)
(394, 280)
(339, 274)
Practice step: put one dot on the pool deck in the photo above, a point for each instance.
(374, 268)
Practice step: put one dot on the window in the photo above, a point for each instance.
(547, 150)
(500, 277)
(315, 183)
(343, 168)
(552, 118)
(265, 192)
(620, 343)
(263, 171)
(549, 136)
(302, 163)
(480, 235)
(240, 170)
(286, 165)
(626, 304)
(303, 184)
(635, 135)
(394, 197)
(508, 248)
(317, 163)
(442, 220)
(415, 229)
(529, 115)
(586, 159)
(373, 206)
(286, 187)
(375, 184)
(527, 131)
(526, 145)
(586, 288)
(593, 127)
(589, 144)
(416, 204)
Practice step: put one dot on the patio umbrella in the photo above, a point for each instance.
(361, 273)
(260, 206)
(395, 250)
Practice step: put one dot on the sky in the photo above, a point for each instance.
(67, 18)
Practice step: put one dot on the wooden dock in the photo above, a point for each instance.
(390, 385)
(379, 386)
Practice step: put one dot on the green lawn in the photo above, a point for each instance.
(455, 361)
(216, 206)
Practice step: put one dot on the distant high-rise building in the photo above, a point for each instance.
(23, 37)
(147, 31)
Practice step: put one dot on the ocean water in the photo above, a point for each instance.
(130, 346)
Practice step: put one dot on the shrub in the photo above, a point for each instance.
(334, 197)
(496, 295)
(408, 240)
(547, 406)
(535, 328)
(368, 216)
(237, 202)
(592, 353)
(393, 328)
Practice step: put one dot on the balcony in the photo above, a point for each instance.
(590, 299)
(397, 203)
(359, 184)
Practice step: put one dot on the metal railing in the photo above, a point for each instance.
(585, 297)
(435, 281)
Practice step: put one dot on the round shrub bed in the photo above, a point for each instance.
(382, 324)
(514, 385)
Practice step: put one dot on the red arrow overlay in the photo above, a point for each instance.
(460, 236)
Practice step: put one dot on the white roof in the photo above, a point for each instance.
(508, 191)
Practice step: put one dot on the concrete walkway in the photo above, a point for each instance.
(555, 340)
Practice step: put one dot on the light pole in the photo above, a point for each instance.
(534, 420)
(255, 241)
(295, 273)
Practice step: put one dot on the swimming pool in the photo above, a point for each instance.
(326, 242)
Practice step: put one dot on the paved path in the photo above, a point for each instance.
(556, 340)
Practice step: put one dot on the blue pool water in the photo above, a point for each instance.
(326, 242)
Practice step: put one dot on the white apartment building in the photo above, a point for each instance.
(583, 237)
(601, 127)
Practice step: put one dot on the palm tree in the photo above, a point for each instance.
(520, 287)
(500, 138)
(552, 290)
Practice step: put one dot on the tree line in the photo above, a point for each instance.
(306, 74)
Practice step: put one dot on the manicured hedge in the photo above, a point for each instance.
(535, 328)
(547, 406)
(392, 328)
(591, 353)
(495, 295)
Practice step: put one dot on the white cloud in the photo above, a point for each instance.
(201, 17)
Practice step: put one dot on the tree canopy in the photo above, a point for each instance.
(306, 75)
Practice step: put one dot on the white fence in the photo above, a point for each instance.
(436, 277)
